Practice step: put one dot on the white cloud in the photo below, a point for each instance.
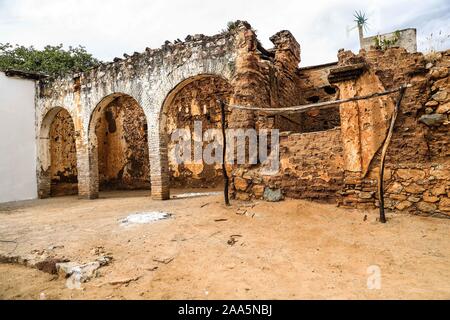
(111, 28)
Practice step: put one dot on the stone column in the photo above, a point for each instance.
(159, 164)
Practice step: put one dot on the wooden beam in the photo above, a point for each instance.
(319, 105)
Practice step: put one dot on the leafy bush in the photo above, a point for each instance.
(52, 60)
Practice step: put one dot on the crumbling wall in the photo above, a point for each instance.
(315, 87)
(123, 160)
(311, 167)
(418, 163)
(196, 102)
(63, 163)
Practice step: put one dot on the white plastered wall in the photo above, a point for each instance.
(18, 141)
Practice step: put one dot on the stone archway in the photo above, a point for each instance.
(118, 143)
(194, 100)
(58, 174)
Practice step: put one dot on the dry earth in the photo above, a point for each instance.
(288, 250)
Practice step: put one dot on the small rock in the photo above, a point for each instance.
(414, 174)
(444, 204)
(273, 195)
(49, 265)
(426, 207)
(413, 199)
(431, 103)
(242, 196)
(258, 190)
(414, 188)
(440, 96)
(395, 188)
(427, 197)
(164, 260)
(433, 120)
(124, 281)
(443, 108)
(429, 110)
(403, 205)
(439, 190)
(366, 195)
(240, 184)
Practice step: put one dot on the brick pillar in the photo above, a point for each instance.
(87, 165)
(159, 163)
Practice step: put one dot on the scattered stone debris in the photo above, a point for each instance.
(145, 217)
(49, 265)
(241, 211)
(99, 250)
(54, 247)
(124, 281)
(220, 220)
(163, 260)
(232, 241)
(79, 273)
(195, 194)
(152, 268)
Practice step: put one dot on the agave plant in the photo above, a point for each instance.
(361, 19)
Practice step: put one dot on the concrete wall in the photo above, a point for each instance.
(18, 145)
(407, 39)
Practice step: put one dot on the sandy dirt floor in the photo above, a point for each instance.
(288, 250)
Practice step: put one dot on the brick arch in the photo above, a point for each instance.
(92, 190)
(159, 146)
(44, 151)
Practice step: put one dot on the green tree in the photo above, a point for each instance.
(52, 60)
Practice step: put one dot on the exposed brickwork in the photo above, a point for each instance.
(417, 164)
(63, 168)
(311, 167)
(197, 101)
(121, 132)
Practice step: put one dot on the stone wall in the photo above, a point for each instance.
(121, 131)
(148, 77)
(63, 169)
(197, 101)
(311, 167)
(418, 163)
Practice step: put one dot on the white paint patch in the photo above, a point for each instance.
(145, 217)
(196, 194)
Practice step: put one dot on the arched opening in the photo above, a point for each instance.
(58, 155)
(119, 145)
(192, 104)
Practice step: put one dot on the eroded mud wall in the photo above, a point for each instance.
(418, 161)
(311, 167)
(197, 101)
(63, 164)
(123, 160)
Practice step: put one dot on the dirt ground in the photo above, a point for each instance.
(288, 250)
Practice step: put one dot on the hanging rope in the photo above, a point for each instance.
(327, 104)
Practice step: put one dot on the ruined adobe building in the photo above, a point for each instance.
(109, 128)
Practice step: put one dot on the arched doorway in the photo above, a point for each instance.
(119, 144)
(192, 102)
(58, 155)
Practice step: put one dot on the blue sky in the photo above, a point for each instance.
(110, 28)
